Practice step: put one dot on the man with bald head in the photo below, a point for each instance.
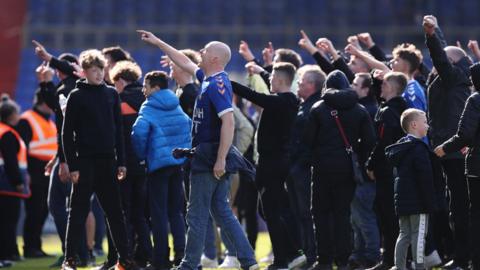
(448, 90)
(213, 128)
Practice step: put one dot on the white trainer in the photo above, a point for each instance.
(208, 263)
(230, 262)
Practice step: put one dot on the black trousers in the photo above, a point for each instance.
(474, 190)
(459, 204)
(36, 211)
(246, 202)
(96, 175)
(10, 213)
(134, 203)
(272, 172)
(332, 194)
(387, 219)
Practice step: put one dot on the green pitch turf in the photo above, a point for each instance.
(51, 245)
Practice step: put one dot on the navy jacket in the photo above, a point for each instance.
(414, 180)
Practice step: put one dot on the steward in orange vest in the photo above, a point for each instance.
(40, 136)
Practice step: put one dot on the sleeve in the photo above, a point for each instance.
(220, 96)
(424, 175)
(25, 131)
(323, 63)
(367, 135)
(378, 53)
(415, 97)
(266, 78)
(48, 92)
(441, 37)
(140, 134)
(311, 129)
(119, 140)
(467, 127)
(68, 130)
(62, 65)
(342, 66)
(262, 100)
(200, 75)
(59, 122)
(9, 147)
(440, 61)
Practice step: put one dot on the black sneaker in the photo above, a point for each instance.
(58, 262)
(452, 265)
(69, 264)
(380, 266)
(274, 266)
(105, 266)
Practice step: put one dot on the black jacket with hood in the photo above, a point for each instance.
(447, 92)
(468, 133)
(323, 136)
(414, 190)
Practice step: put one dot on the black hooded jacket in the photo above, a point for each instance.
(447, 92)
(414, 179)
(324, 138)
(131, 99)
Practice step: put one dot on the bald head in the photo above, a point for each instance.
(219, 50)
(455, 53)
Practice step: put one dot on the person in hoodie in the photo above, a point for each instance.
(414, 191)
(387, 126)
(448, 90)
(161, 127)
(125, 75)
(333, 185)
(362, 84)
(468, 135)
(93, 144)
(274, 135)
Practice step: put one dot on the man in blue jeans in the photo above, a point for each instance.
(212, 124)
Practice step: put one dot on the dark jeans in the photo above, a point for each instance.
(247, 205)
(299, 187)
(134, 199)
(96, 175)
(387, 219)
(36, 211)
(166, 200)
(474, 189)
(100, 224)
(58, 197)
(272, 172)
(10, 213)
(332, 195)
(459, 204)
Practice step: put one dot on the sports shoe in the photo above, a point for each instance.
(106, 265)
(267, 259)
(432, 260)
(318, 266)
(69, 264)
(254, 267)
(230, 262)
(274, 266)
(452, 265)
(126, 265)
(297, 262)
(207, 262)
(380, 266)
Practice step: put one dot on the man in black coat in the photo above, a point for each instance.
(447, 92)
(274, 135)
(333, 185)
(468, 135)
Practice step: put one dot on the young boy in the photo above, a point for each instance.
(93, 145)
(162, 126)
(413, 187)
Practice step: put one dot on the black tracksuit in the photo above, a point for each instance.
(387, 125)
(274, 134)
(333, 185)
(447, 93)
(36, 209)
(92, 138)
(10, 206)
(133, 188)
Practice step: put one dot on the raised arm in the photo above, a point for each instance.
(175, 55)
(370, 60)
(367, 40)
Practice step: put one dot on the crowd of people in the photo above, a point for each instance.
(366, 160)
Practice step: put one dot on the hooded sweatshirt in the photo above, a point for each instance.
(414, 191)
(161, 126)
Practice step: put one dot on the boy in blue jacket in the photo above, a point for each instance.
(414, 191)
(162, 126)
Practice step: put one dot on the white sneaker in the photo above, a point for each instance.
(267, 259)
(432, 260)
(297, 262)
(230, 262)
(254, 267)
(207, 262)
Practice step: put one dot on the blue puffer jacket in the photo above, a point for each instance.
(161, 126)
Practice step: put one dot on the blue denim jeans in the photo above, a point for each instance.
(364, 224)
(58, 195)
(210, 196)
(165, 193)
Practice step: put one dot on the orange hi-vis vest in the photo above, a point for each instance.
(43, 145)
(6, 188)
